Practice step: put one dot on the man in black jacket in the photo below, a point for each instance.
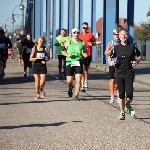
(21, 45)
(5, 43)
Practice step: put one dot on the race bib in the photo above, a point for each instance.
(75, 63)
(41, 55)
(28, 50)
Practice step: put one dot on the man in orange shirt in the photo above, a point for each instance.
(90, 41)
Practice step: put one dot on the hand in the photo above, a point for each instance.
(19, 41)
(134, 63)
(69, 55)
(89, 44)
(112, 63)
(43, 62)
(84, 55)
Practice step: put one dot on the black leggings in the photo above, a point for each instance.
(125, 85)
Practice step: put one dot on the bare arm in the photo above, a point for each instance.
(108, 49)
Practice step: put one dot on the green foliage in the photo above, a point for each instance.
(143, 34)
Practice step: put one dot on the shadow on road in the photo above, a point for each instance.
(39, 101)
(36, 125)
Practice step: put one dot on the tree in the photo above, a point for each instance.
(143, 34)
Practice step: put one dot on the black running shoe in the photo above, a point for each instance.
(70, 93)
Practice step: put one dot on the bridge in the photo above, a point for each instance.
(37, 20)
(57, 122)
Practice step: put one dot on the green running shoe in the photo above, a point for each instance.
(86, 85)
(121, 116)
(76, 98)
(130, 110)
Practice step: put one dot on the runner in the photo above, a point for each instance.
(21, 44)
(125, 53)
(5, 43)
(39, 55)
(60, 40)
(26, 56)
(74, 50)
(109, 48)
(90, 41)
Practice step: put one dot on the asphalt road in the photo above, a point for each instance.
(59, 123)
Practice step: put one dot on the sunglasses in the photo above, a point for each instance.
(85, 28)
(76, 32)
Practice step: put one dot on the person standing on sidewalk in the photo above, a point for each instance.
(59, 43)
(109, 49)
(125, 53)
(90, 41)
(39, 55)
(21, 45)
(73, 50)
(26, 56)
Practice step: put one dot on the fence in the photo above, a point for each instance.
(143, 46)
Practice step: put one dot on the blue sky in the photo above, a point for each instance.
(141, 8)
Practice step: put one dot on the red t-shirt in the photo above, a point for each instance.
(88, 37)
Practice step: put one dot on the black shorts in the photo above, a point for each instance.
(86, 61)
(39, 68)
(70, 71)
(112, 72)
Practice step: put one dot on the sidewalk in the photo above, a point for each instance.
(142, 71)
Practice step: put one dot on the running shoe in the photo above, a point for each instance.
(117, 100)
(85, 85)
(112, 99)
(130, 110)
(38, 96)
(121, 116)
(43, 94)
(82, 88)
(76, 98)
(70, 93)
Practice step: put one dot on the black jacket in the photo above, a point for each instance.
(23, 41)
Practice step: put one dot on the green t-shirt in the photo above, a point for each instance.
(59, 39)
(76, 50)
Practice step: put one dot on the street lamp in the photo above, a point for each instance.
(5, 30)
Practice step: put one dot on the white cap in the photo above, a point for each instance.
(75, 30)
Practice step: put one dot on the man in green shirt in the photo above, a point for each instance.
(59, 43)
(73, 50)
